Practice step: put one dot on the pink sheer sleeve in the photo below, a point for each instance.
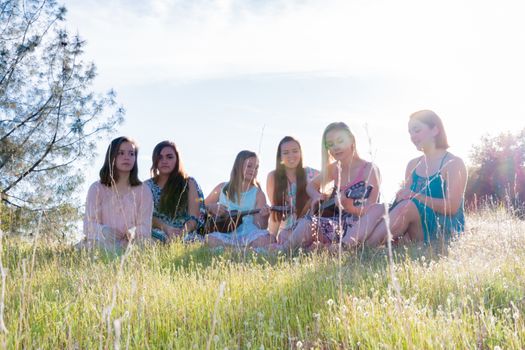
(144, 213)
(93, 216)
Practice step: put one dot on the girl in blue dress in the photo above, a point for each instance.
(242, 192)
(178, 200)
(430, 204)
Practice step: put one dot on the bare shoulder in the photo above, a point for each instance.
(192, 183)
(453, 163)
(214, 194)
(271, 176)
(373, 173)
(260, 192)
(372, 168)
(218, 187)
(260, 196)
(413, 163)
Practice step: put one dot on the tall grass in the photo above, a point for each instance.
(188, 297)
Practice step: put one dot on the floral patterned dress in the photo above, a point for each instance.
(331, 229)
(181, 219)
(291, 218)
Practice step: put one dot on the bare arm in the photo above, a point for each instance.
(405, 192)
(193, 207)
(261, 219)
(273, 225)
(313, 187)
(270, 186)
(158, 223)
(212, 201)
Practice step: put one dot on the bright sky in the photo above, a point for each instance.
(219, 76)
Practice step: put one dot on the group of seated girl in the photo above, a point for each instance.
(339, 204)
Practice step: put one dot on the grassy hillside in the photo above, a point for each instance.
(187, 297)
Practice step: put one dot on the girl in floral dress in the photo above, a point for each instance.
(179, 210)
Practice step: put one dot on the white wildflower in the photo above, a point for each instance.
(344, 309)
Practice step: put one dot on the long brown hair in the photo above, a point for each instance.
(174, 197)
(233, 188)
(280, 189)
(108, 173)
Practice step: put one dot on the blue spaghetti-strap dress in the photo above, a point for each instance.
(436, 224)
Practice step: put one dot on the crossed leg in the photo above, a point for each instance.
(404, 221)
(372, 230)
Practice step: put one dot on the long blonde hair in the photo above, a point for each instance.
(233, 189)
(326, 158)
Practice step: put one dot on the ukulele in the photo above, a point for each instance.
(358, 192)
(233, 218)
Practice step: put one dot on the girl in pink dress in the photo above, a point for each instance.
(118, 206)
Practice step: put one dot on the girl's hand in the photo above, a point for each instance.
(129, 234)
(404, 194)
(173, 232)
(348, 204)
(217, 209)
(319, 197)
(265, 211)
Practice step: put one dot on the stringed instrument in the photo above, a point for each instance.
(358, 192)
(229, 222)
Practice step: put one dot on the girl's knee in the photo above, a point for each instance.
(213, 241)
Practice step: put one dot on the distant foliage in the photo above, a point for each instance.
(50, 118)
(497, 174)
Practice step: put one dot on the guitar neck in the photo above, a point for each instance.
(327, 204)
(244, 212)
(278, 208)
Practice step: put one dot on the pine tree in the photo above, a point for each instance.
(50, 119)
